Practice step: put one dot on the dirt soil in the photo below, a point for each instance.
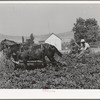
(70, 73)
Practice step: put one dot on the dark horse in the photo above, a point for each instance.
(5, 44)
(34, 52)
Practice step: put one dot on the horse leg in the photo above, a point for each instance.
(25, 63)
(44, 62)
(13, 59)
(52, 60)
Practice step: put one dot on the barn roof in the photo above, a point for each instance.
(48, 35)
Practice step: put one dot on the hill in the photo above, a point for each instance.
(65, 36)
(14, 38)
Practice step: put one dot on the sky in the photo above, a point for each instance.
(24, 19)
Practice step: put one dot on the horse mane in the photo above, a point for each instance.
(8, 42)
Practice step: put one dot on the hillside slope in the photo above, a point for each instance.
(65, 36)
(14, 38)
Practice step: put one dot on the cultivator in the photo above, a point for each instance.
(32, 63)
(35, 63)
(29, 63)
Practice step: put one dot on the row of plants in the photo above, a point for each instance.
(70, 73)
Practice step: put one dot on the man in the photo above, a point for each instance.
(85, 47)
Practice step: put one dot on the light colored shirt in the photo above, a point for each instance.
(86, 46)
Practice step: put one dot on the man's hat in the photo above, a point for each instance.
(82, 40)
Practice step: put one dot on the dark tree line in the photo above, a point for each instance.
(87, 29)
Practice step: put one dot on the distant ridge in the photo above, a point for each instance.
(65, 36)
(15, 38)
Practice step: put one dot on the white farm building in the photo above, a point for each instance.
(53, 39)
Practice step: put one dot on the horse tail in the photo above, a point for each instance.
(57, 51)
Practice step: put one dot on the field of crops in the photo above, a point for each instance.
(71, 73)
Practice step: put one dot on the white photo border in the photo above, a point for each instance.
(51, 93)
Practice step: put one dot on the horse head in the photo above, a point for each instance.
(8, 47)
(1, 47)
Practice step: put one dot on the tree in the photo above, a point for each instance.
(31, 38)
(22, 39)
(87, 29)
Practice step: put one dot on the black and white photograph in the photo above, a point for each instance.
(49, 46)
